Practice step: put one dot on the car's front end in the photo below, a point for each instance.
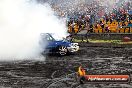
(73, 47)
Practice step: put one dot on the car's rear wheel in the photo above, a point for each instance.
(63, 50)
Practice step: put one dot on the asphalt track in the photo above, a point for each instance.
(60, 72)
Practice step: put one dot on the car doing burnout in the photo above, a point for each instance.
(62, 47)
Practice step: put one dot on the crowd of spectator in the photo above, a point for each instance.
(119, 20)
(91, 16)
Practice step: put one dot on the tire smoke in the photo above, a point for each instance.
(21, 22)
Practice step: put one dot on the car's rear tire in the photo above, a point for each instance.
(63, 50)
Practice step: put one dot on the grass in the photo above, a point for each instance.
(103, 41)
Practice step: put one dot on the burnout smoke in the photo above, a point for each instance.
(21, 22)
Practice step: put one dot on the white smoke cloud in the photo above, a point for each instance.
(21, 22)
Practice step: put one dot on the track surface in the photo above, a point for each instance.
(60, 72)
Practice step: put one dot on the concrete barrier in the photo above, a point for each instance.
(104, 36)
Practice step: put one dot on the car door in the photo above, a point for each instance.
(51, 43)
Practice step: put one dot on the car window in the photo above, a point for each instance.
(48, 38)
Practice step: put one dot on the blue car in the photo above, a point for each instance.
(62, 47)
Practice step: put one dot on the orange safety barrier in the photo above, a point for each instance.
(121, 30)
(131, 30)
(96, 30)
(76, 28)
(70, 29)
(126, 30)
